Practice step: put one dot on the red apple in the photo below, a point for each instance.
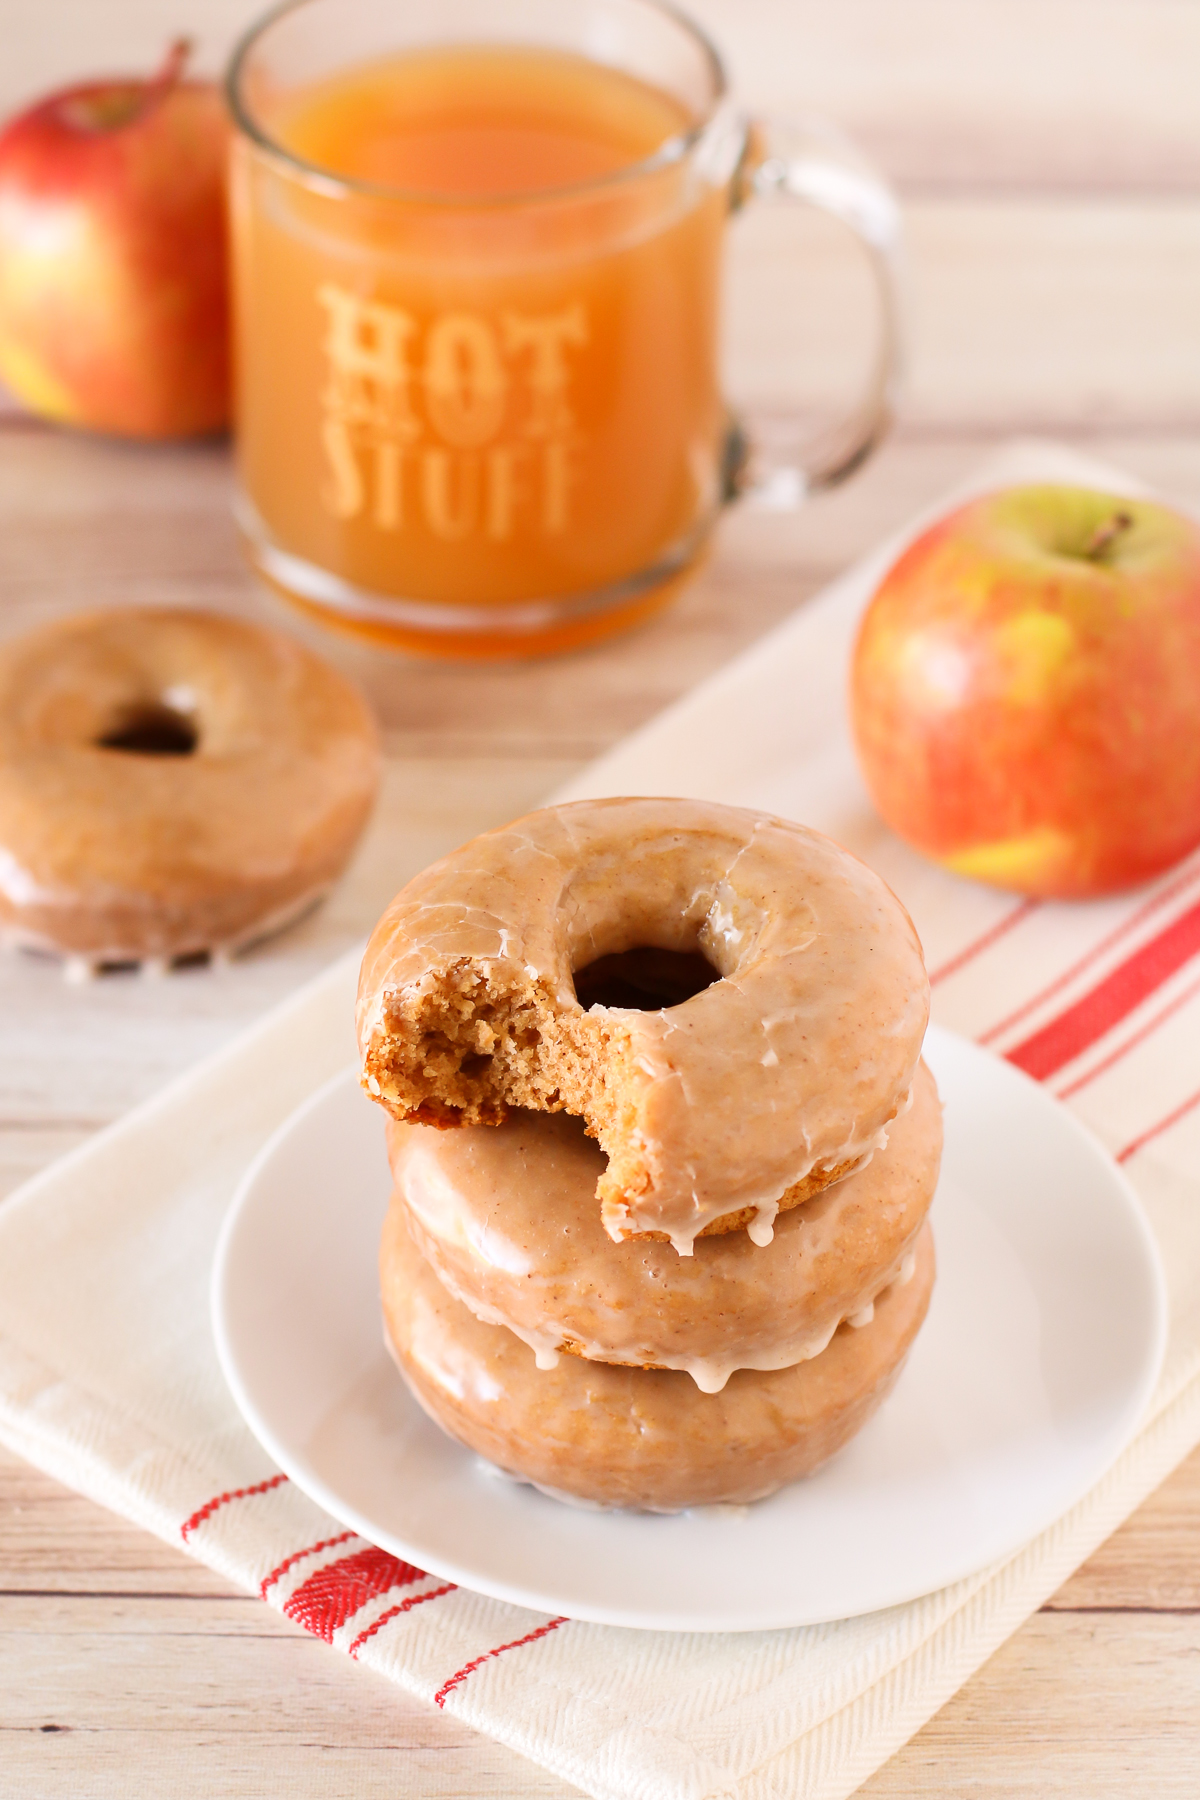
(113, 307)
(1025, 691)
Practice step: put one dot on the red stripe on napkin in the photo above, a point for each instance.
(1131, 982)
(999, 930)
(219, 1500)
(1131, 1043)
(1155, 904)
(335, 1593)
(393, 1612)
(439, 1699)
(1154, 1131)
(289, 1562)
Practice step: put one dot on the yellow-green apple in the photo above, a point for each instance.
(113, 304)
(1025, 691)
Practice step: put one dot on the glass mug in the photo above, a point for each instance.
(476, 281)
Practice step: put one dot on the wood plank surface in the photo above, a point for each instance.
(1048, 156)
(143, 1661)
(986, 96)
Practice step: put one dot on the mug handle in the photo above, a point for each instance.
(807, 159)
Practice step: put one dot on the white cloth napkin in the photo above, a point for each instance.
(108, 1378)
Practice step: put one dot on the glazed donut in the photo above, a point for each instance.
(172, 782)
(507, 1219)
(635, 1437)
(778, 1070)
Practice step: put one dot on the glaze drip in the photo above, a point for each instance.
(467, 1005)
(508, 1220)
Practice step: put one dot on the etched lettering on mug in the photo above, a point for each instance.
(506, 464)
(547, 338)
(466, 384)
(462, 425)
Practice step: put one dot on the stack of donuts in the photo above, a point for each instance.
(662, 1146)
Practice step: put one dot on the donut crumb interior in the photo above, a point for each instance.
(464, 1048)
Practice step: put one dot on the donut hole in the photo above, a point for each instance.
(152, 728)
(645, 978)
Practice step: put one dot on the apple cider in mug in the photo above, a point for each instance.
(475, 365)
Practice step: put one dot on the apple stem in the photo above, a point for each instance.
(111, 106)
(1105, 535)
(173, 66)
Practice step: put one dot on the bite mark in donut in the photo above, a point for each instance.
(507, 1220)
(752, 1093)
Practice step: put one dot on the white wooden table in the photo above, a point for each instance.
(1048, 155)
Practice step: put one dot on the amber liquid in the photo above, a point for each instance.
(485, 378)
